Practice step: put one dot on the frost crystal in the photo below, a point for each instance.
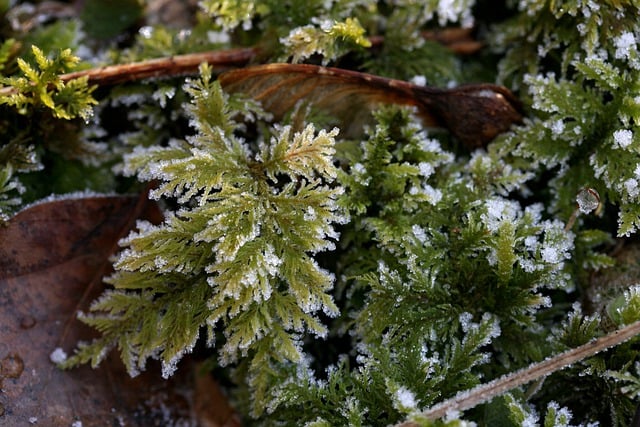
(622, 138)
(499, 210)
(310, 214)
(452, 11)
(406, 398)
(631, 187)
(419, 80)
(562, 415)
(531, 243)
(218, 36)
(433, 195)
(557, 127)
(360, 174)
(146, 31)
(531, 420)
(163, 94)
(420, 233)
(624, 43)
(551, 255)
(466, 319)
(426, 169)
(557, 243)
(58, 356)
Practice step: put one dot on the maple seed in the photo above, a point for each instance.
(474, 114)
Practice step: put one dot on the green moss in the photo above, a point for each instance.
(355, 281)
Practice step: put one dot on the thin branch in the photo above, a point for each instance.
(486, 392)
(173, 66)
(165, 67)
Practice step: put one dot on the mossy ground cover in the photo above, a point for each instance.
(334, 277)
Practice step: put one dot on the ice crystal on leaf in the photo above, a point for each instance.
(239, 257)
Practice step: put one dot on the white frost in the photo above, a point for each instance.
(499, 210)
(419, 80)
(452, 11)
(466, 321)
(433, 194)
(426, 169)
(160, 262)
(622, 138)
(310, 214)
(531, 420)
(420, 233)
(218, 36)
(562, 415)
(406, 398)
(557, 127)
(58, 356)
(550, 255)
(146, 31)
(624, 43)
(631, 186)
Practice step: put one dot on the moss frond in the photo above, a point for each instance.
(238, 255)
(41, 86)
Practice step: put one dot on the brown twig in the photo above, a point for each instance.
(172, 66)
(486, 392)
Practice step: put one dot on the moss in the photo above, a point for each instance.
(354, 280)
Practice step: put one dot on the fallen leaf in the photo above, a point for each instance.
(52, 259)
(474, 114)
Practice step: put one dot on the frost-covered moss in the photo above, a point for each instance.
(356, 281)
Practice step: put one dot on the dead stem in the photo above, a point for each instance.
(172, 66)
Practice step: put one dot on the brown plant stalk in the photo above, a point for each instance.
(171, 66)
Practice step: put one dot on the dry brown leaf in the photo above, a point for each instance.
(474, 114)
(52, 258)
